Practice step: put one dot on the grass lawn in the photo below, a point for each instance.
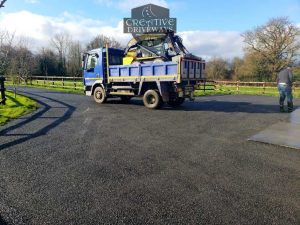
(16, 107)
(221, 89)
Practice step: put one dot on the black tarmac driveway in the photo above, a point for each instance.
(76, 162)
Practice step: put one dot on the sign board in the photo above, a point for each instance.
(149, 18)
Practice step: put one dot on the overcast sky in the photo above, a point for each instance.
(209, 28)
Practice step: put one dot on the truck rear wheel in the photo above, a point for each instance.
(152, 99)
(99, 95)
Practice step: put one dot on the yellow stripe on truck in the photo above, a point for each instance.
(94, 78)
(147, 77)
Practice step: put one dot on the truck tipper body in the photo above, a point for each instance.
(160, 82)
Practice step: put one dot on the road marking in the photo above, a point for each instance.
(85, 111)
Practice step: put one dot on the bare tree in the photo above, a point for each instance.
(24, 59)
(46, 62)
(6, 47)
(60, 42)
(21, 61)
(236, 66)
(74, 59)
(101, 40)
(217, 69)
(275, 43)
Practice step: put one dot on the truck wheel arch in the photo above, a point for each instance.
(145, 86)
(95, 85)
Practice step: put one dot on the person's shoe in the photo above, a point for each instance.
(290, 107)
(281, 108)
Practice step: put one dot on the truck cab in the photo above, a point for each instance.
(95, 63)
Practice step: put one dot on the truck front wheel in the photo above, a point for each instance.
(152, 99)
(99, 95)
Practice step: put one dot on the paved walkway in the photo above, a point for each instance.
(285, 134)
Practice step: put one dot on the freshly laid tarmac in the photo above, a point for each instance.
(76, 162)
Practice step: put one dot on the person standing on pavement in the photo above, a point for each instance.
(285, 83)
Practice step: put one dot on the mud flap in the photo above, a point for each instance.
(164, 90)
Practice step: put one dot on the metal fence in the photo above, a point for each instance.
(2, 91)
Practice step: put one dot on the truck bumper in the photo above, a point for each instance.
(88, 93)
(87, 90)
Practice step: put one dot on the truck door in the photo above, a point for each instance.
(92, 70)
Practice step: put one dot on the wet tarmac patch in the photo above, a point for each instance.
(285, 134)
(295, 116)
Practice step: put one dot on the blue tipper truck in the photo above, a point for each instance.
(157, 81)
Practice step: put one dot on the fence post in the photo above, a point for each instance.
(238, 86)
(2, 90)
(63, 84)
(264, 87)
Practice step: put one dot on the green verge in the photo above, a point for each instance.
(16, 107)
(223, 90)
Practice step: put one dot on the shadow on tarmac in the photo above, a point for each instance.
(213, 106)
(2, 222)
(43, 131)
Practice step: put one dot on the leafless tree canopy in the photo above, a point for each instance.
(6, 47)
(74, 59)
(101, 41)
(218, 69)
(60, 42)
(276, 43)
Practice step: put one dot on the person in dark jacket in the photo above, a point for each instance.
(285, 83)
